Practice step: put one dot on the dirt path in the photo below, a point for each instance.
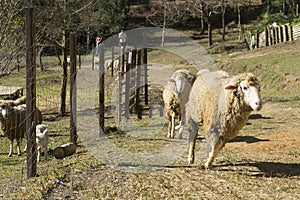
(263, 162)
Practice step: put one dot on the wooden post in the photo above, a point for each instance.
(138, 86)
(93, 57)
(270, 37)
(112, 59)
(281, 34)
(30, 93)
(273, 35)
(291, 33)
(133, 70)
(286, 33)
(277, 34)
(119, 102)
(127, 83)
(144, 62)
(79, 56)
(257, 39)
(101, 89)
(73, 95)
(267, 37)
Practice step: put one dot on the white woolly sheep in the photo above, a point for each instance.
(223, 105)
(13, 123)
(42, 139)
(175, 96)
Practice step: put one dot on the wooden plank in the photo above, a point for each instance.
(10, 92)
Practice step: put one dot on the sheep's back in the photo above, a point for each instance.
(207, 90)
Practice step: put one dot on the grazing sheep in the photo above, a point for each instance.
(42, 140)
(222, 104)
(175, 96)
(13, 123)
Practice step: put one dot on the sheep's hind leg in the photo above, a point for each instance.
(169, 129)
(193, 130)
(216, 146)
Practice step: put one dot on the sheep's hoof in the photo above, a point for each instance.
(19, 154)
(208, 166)
(9, 155)
(190, 161)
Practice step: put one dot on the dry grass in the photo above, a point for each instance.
(263, 162)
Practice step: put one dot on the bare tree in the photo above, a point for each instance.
(11, 34)
(56, 19)
(164, 13)
(206, 10)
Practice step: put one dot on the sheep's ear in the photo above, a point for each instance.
(231, 87)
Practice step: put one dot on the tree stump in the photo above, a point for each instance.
(64, 150)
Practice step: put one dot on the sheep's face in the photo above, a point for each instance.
(4, 110)
(251, 93)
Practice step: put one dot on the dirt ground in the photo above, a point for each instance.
(263, 162)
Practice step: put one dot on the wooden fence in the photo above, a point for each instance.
(131, 79)
(274, 35)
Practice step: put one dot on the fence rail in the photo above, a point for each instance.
(274, 35)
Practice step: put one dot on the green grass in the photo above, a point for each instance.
(277, 71)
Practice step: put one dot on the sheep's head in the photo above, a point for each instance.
(249, 86)
(5, 109)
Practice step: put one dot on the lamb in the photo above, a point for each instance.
(42, 140)
(175, 96)
(13, 123)
(223, 105)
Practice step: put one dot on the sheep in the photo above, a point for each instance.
(222, 104)
(108, 64)
(13, 123)
(175, 96)
(42, 140)
(18, 101)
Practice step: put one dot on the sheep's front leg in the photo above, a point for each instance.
(216, 146)
(19, 147)
(173, 125)
(38, 153)
(11, 146)
(193, 130)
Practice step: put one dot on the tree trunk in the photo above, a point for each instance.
(223, 20)
(209, 33)
(201, 25)
(239, 21)
(223, 26)
(40, 58)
